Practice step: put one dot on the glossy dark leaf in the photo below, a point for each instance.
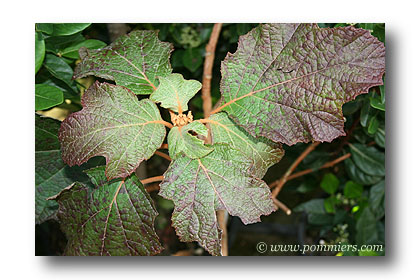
(46, 28)
(70, 93)
(367, 232)
(59, 69)
(56, 44)
(365, 113)
(39, 50)
(313, 206)
(113, 124)
(377, 199)
(115, 219)
(315, 160)
(358, 175)
(377, 103)
(320, 219)
(47, 96)
(73, 50)
(304, 76)
(176, 58)
(380, 136)
(62, 29)
(352, 106)
(368, 159)
(360, 135)
(373, 125)
(134, 61)
(368, 26)
(51, 173)
(382, 89)
(379, 31)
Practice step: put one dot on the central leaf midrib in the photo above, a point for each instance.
(283, 82)
(40, 96)
(136, 68)
(238, 188)
(115, 127)
(364, 156)
(232, 132)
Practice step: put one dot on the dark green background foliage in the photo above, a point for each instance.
(343, 204)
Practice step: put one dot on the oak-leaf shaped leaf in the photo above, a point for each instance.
(114, 219)
(134, 61)
(288, 82)
(219, 181)
(174, 92)
(115, 124)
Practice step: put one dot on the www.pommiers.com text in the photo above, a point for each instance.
(262, 247)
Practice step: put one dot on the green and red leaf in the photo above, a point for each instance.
(113, 124)
(263, 152)
(186, 140)
(114, 219)
(134, 61)
(288, 82)
(219, 181)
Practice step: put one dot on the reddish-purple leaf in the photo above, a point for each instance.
(114, 219)
(288, 82)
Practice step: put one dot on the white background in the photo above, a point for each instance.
(17, 245)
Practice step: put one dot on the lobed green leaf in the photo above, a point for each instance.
(263, 152)
(174, 92)
(134, 61)
(182, 140)
(113, 124)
